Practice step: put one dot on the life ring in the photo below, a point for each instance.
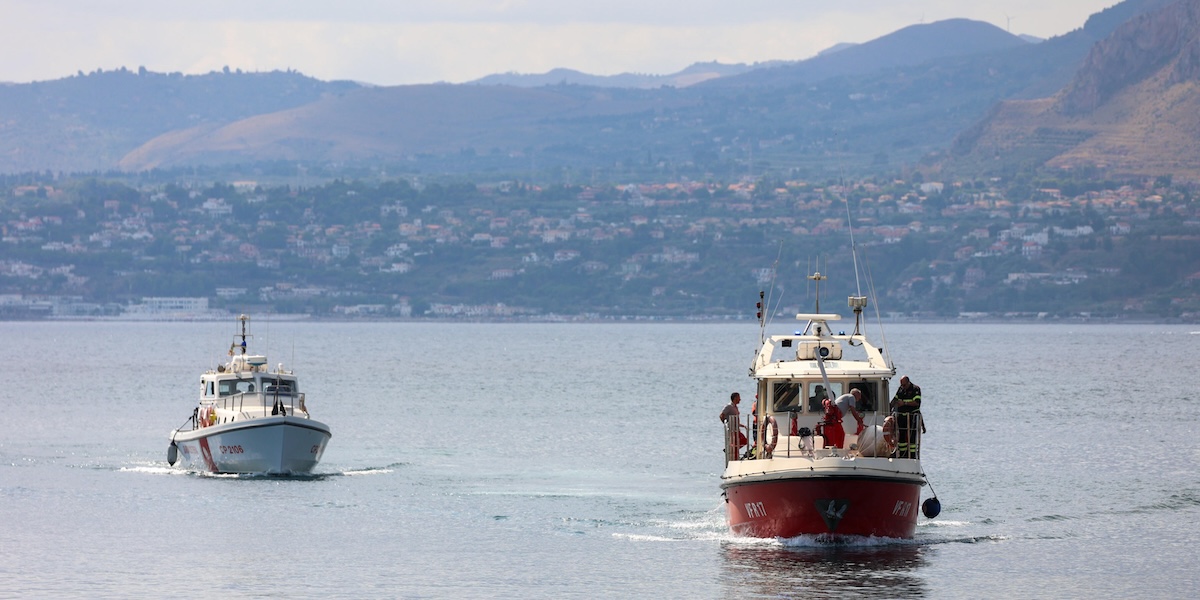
(208, 416)
(769, 443)
(889, 433)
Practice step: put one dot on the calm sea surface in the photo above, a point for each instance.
(583, 460)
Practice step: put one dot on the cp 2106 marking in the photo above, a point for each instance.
(755, 509)
(231, 449)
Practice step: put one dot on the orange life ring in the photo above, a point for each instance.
(769, 445)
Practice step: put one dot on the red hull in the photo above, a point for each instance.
(824, 506)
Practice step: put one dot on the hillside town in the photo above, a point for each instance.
(403, 249)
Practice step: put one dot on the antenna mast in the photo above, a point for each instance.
(818, 277)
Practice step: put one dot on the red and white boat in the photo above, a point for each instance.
(786, 481)
(249, 420)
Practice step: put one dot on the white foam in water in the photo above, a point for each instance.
(154, 470)
(640, 537)
(366, 472)
(700, 526)
(852, 541)
(934, 523)
(691, 525)
(741, 540)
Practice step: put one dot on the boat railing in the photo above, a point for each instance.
(735, 438)
(742, 438)
(254, 404)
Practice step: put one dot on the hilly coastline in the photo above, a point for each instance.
(989, 176)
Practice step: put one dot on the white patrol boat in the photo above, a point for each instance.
(249, 420)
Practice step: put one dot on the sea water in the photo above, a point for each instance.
(582, 461)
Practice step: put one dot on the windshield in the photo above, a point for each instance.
(273, 385)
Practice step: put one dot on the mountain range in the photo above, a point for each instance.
(1130, 110)
(693, 74)
(957, 96)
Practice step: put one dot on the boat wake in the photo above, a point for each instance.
(316, 476)
(712, 526)
(683, 526)
(850, 541)
(154, 470)
(372, 470)
(803, 542)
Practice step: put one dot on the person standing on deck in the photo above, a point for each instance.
(734, 438)
(835, 436)
(906, 406)
(731, 409)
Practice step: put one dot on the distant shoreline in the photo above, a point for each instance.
(565, 319)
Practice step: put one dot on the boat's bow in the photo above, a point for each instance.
(798, 464)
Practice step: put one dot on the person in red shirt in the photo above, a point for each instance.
(835, 410)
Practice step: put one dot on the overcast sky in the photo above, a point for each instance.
(392, 42)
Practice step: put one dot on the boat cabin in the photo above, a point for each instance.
(244, 389)
(230, 385)
(798, 396)
(795, 373)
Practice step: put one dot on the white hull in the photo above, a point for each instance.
(274, 445)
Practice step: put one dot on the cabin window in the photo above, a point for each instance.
(787, 396)
(867, 402)
(817, 393)
(236, 386)
(272, 385)
(208, 390)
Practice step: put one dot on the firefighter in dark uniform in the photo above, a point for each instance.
(906, 406)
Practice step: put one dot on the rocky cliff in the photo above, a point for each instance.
(1137, 50)
(1132, 109)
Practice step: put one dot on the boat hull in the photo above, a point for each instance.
(825, 506)
(274, 445)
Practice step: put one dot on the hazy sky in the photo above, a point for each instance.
(391, 42)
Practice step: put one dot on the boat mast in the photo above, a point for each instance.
(762, 323)
(244, 319)
(818, 277)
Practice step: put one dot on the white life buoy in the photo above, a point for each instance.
(769, 442)
(889, 433)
